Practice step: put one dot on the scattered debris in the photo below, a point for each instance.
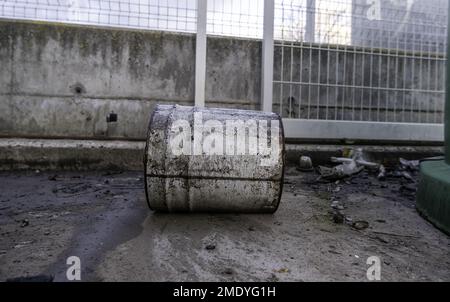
(52, 177)
(348, 152)
(407, 176)
(273, 278)
(348, 166)
(210, 247)
(228, 271)
(24, 223)
(412, 165)
(305, 164)
(341, 171)
(338, 217)
(22, 244)
(335, 205)
(381, 173)
(282, 270)
(354, 162)
(360, 225)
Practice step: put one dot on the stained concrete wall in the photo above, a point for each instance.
(63, 81)
(59, 84)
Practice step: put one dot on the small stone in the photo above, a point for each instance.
(24, 223)
(228, 271)
(360, 225)
(338, 217)
(210, 247)
(283, 270)
(305, 164)
(273, 278)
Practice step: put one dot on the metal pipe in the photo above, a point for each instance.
(447, 100)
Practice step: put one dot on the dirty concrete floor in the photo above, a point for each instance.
(102, 218)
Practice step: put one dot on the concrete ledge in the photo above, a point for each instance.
(49, 154)
(69, 154)
(363, 131)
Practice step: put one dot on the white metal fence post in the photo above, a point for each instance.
(310, 20)
(200, 54)
(267, 56)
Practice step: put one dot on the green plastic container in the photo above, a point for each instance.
(433, 195)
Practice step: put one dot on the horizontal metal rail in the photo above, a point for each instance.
(367, 131)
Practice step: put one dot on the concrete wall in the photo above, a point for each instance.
(63, 81)
(60, 83)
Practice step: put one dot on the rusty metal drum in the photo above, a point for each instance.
(213, 160)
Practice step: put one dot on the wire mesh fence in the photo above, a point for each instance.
(374, 60)
(361, 60)
(172, 15)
